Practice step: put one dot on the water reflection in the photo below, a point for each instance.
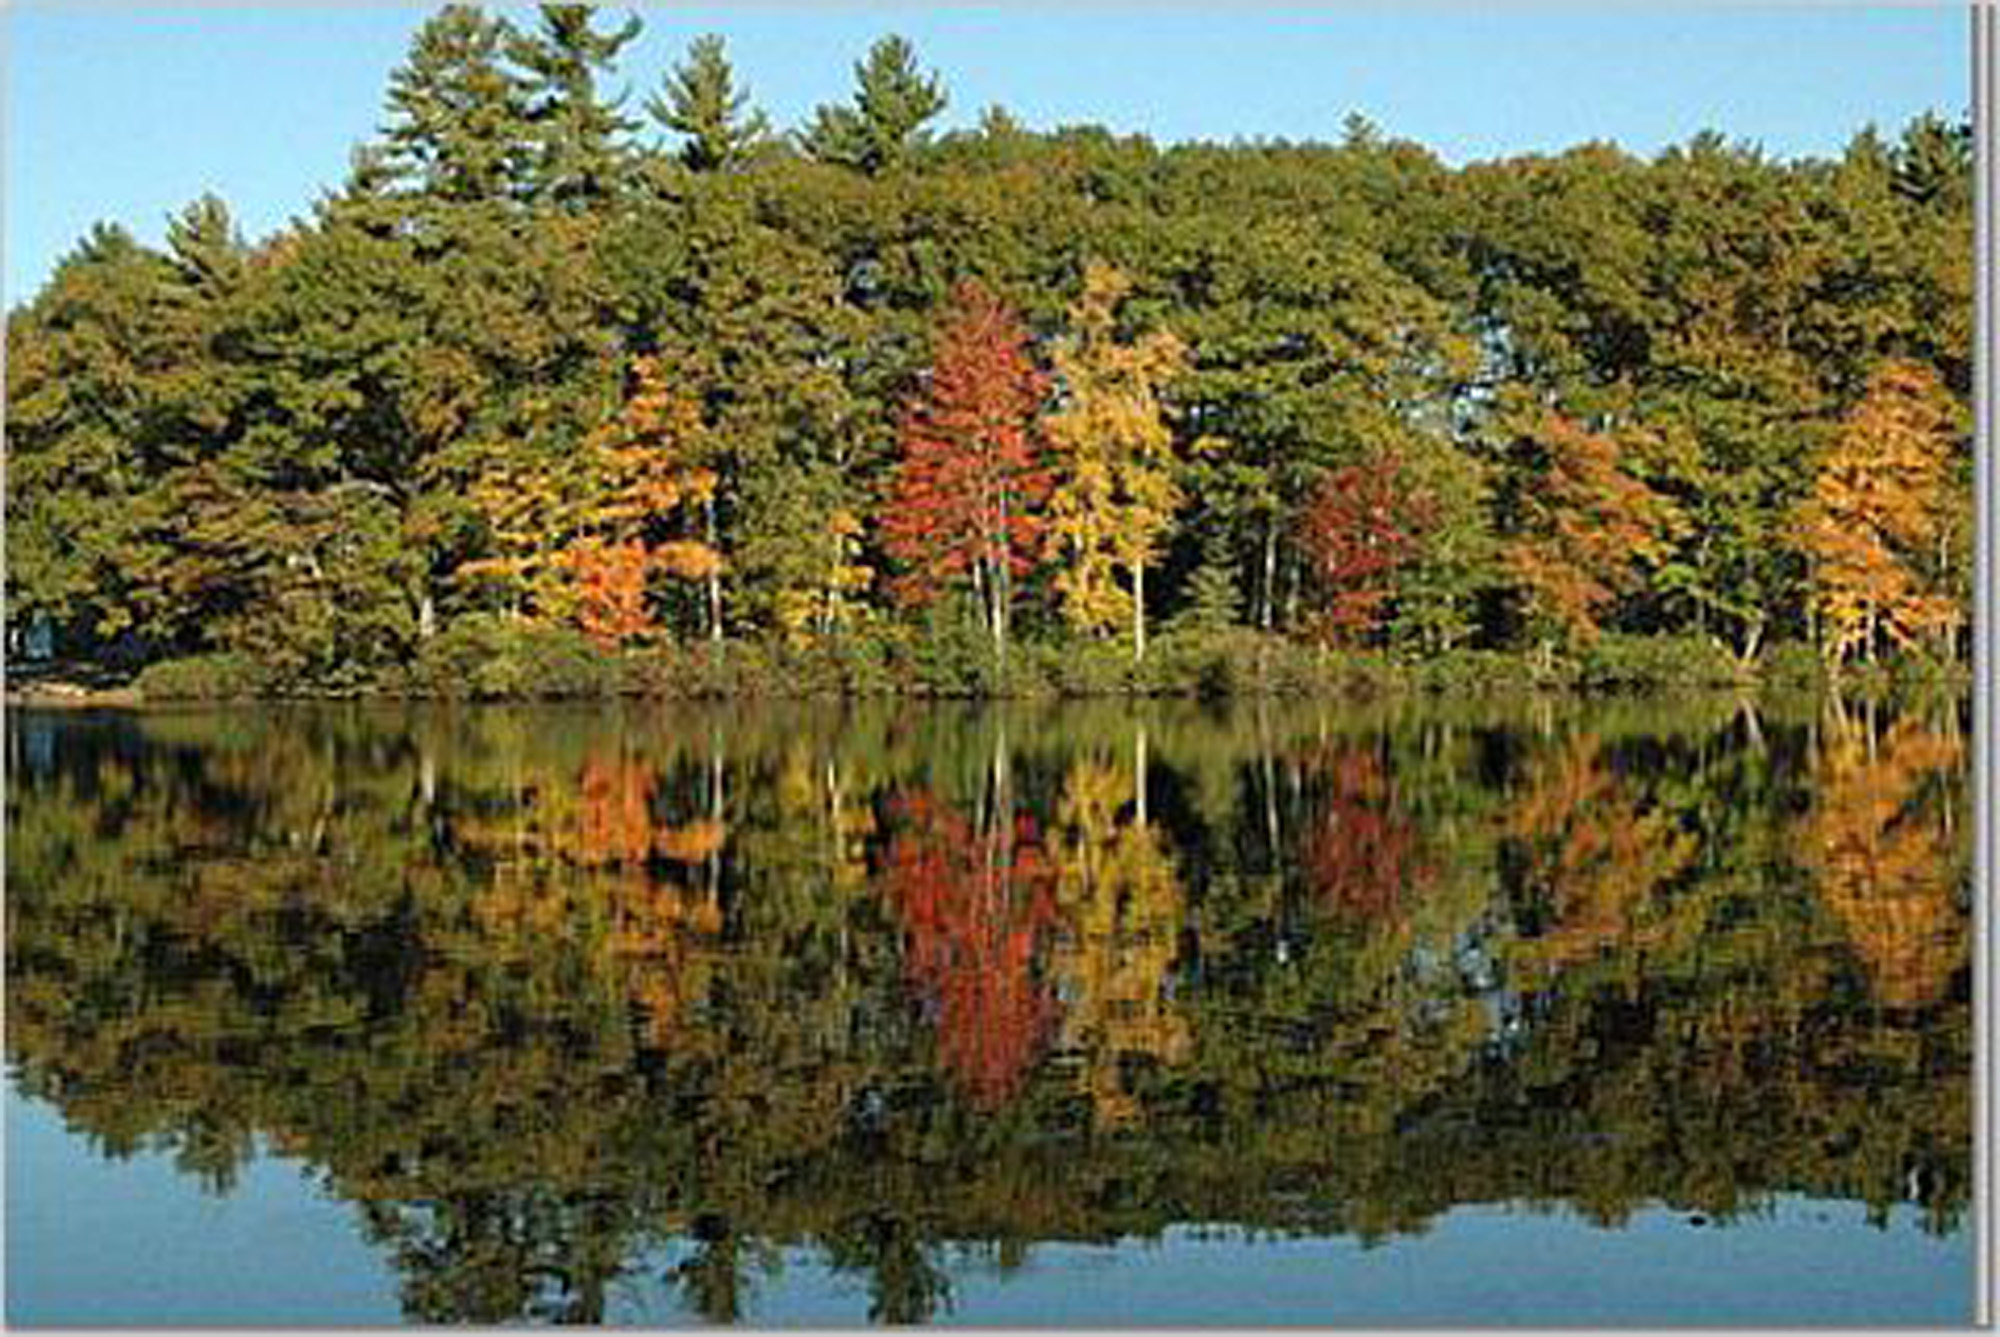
(543, 991)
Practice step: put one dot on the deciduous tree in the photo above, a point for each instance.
(964, 500)
(1115, 492)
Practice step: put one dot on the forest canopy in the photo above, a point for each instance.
(557, 377)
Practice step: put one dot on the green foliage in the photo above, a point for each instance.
(892, 102)
(1474, 672)
(702, 104)
(491, 656)
(325, 448)
(1652, 662)
(950, 652)
(223, 676)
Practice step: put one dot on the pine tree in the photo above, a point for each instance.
(458, 116)
(892, 102)
(1214, 599)
(578, 149)
(702, 103)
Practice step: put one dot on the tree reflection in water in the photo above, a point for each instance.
(547, 993)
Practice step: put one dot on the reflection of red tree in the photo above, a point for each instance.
(1360, 858)
(974, 907)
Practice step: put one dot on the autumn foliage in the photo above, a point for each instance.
(963, 502)
(611, 588)
(1583, 526)
(1116, 491)
(1361, 857)
(1882, 855)
(975, 907)
(1877, 513)
(1360, 527)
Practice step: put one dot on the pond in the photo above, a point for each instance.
(1649, 1010)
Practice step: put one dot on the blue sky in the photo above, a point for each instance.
(128, 112)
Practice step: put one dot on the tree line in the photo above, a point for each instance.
(540, 372)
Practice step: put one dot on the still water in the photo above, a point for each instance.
(1648, 1011)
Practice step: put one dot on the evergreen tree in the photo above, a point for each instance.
(458, 116)
(893, 101)
(578, 149)
(702, 104)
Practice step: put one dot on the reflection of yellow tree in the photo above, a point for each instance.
(1595, 858)
(1122, 912)
(573, 858)
(1885, 867)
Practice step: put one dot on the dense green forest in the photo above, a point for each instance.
(565, 391)
(547, 993)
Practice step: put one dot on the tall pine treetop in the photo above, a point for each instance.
(892, 102)
(702, 103)
(458, 116)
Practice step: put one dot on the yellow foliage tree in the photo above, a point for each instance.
(531, 509)
(1115, 492)
(831, 603)
(1877, 527)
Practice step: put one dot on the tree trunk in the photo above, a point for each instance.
(1270, 595)
(1001, 584)
(714, 577)
(1138, 612)
(1291, 618)
(1753, 641)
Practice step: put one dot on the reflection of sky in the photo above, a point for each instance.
(91, 1241)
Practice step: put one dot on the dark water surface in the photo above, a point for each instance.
(1650, 1011)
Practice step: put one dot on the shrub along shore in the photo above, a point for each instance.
(498, 662)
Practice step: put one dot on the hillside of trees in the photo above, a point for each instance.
(559, 390)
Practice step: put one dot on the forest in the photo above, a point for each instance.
(579, 386)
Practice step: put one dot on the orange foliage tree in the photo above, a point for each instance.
(1877, 523)
(646, 472)
(1581, 526)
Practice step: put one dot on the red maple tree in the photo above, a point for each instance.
(962, 504)
(1359, 527)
